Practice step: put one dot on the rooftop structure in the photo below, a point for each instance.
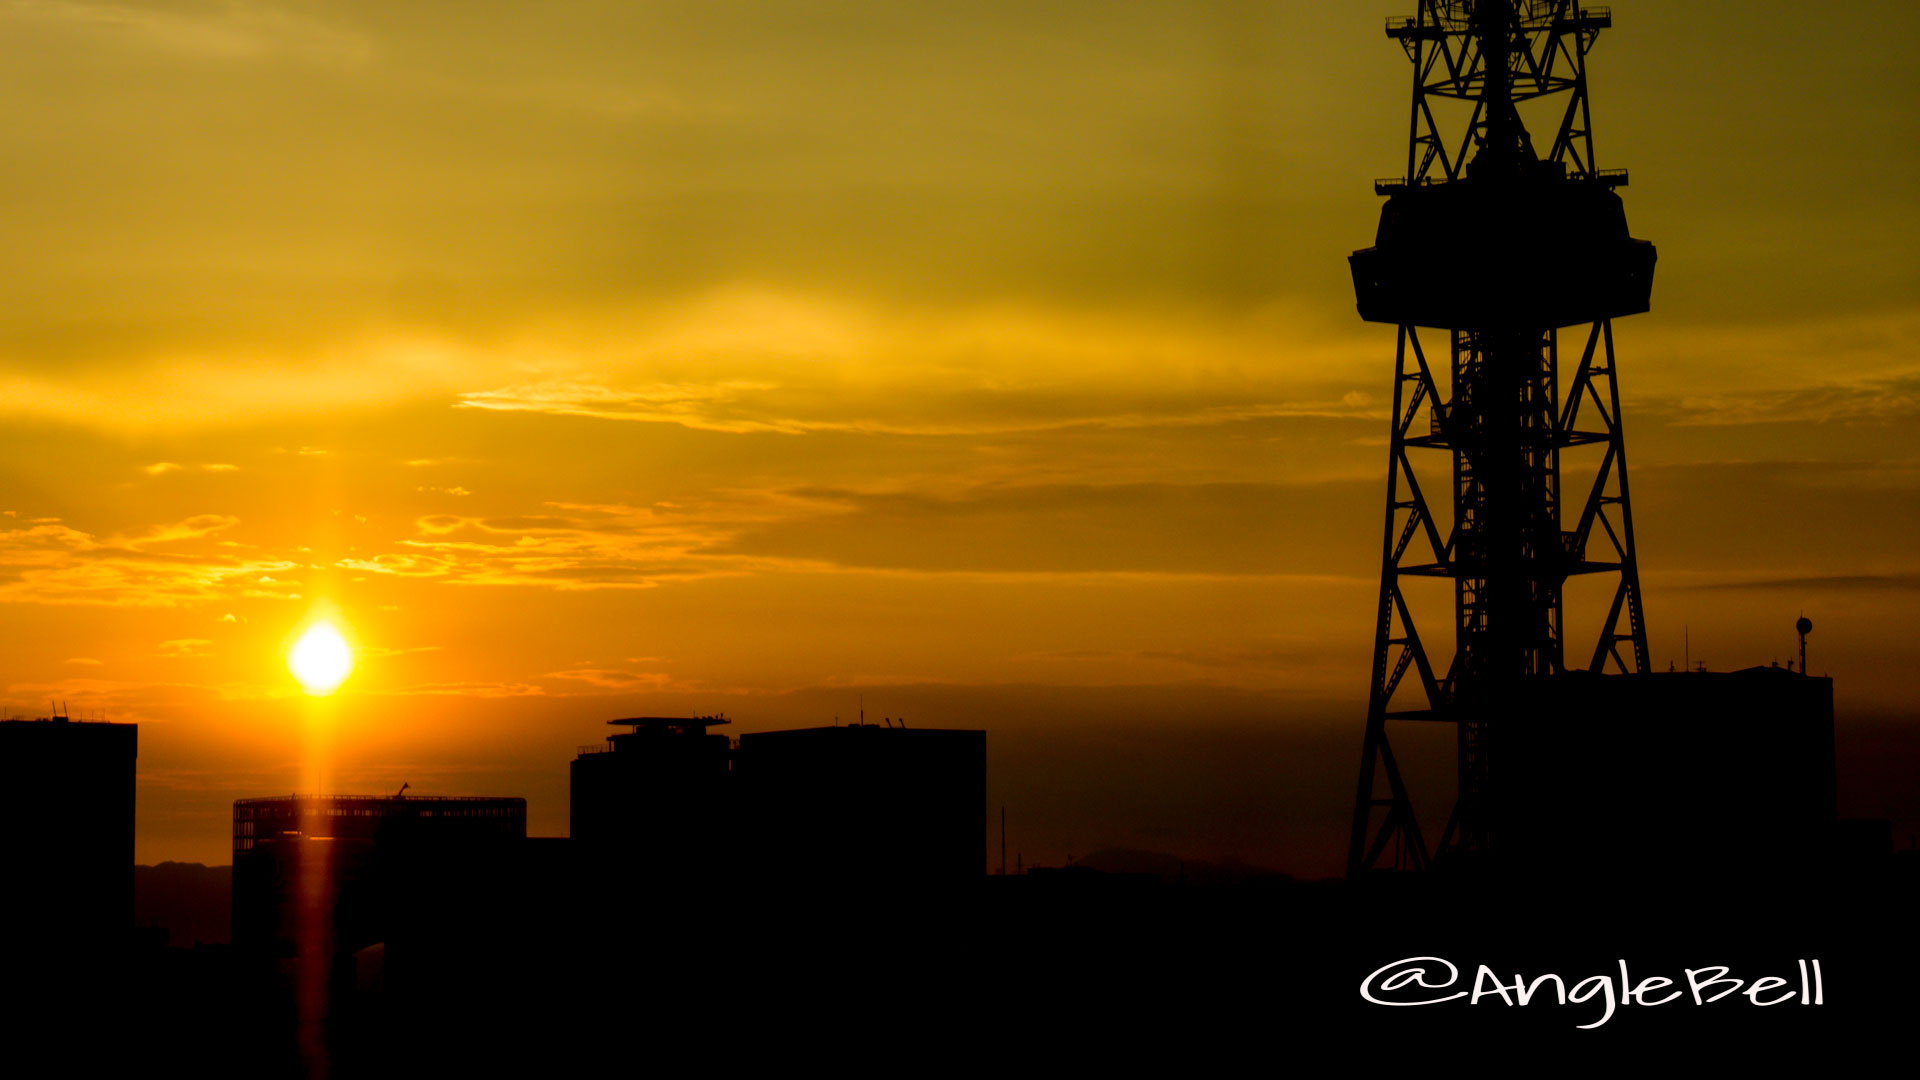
(439, 819)
(653, 805)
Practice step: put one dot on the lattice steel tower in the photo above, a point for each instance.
(1501, 247)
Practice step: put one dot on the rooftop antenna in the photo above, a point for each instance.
(1805, 626)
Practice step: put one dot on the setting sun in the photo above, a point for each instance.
(321, 660)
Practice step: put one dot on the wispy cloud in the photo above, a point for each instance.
(52, 563)
(575, 546)
(192, 528)
(618, 681)
(383, 651)
(1819, 583)
(744, 361)
(230, 31)
(161, 468)
(186, 648)
(748, 408)
(994, 531)
(467, 689)
(1855, 368)
(143, 702)
(1858, 401)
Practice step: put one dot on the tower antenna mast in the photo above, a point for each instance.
(1496, 249)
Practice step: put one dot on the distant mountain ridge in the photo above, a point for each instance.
(192, 900)
(1173, 870)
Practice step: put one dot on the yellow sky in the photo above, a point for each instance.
(996, 362)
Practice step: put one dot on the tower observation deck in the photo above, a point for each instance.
(1505, 250)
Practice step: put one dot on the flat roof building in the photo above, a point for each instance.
(66, 831)
(1666, 772)
(669, 809)
(865, 804)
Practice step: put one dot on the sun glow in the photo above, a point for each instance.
(321, 660)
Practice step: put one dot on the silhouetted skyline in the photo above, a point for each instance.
(995, 364)
(396, 392)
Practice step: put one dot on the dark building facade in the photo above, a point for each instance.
(655, 803)
(1673, 771)
(670, 805)
(66, 832)
(320, 876)
(865, 803)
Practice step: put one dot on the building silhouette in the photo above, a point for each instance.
(862, 805)
(1667, 774)
(66, 832)
(654, 805)
(317, 878)
(671, 806)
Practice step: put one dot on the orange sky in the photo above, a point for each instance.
(995, 363)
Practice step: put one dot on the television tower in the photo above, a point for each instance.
(1501, 247)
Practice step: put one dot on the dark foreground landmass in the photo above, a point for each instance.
(1067, 969)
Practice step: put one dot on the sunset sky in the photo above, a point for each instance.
(994, 364)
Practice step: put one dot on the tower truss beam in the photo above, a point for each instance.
(1504, 251)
